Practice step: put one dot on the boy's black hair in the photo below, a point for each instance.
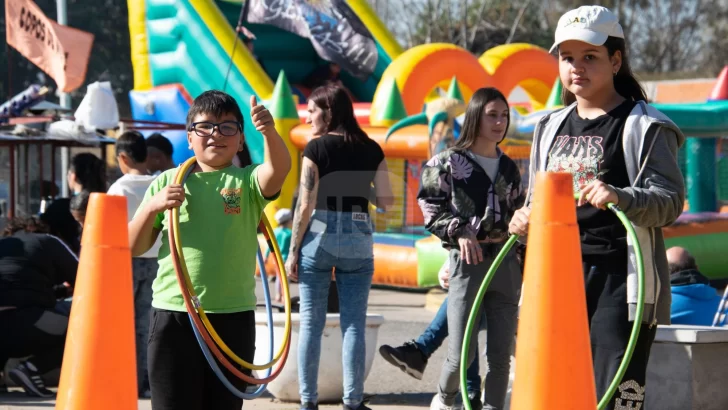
(161, 143)
(216, 103)
(133, 145)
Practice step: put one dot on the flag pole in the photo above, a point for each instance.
(65, 102)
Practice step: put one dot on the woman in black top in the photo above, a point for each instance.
(33, 269)
(337, 173)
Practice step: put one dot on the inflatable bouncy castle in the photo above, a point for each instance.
(410, 101)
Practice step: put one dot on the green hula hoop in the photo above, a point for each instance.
(469, 328)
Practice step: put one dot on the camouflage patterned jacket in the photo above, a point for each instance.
(457, 197)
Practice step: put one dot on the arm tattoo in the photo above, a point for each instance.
(306, 195)
(296, 229)
(309, 179)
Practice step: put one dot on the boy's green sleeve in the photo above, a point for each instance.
(254, 188)
(157, 185)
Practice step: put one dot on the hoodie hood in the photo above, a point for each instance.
(699, 291)
(688, 277)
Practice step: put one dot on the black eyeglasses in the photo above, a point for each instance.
(205, 129)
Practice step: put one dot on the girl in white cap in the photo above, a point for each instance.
(620, 150)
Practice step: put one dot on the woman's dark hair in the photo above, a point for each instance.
(30, 224)
(624, 82)
(474, 116)
(338, 112)
(79, 202)
(90, 172)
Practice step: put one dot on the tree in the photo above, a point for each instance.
(476, 25)
(664, 36)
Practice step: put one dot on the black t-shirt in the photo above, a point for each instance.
(591, 149)
(346, 171)
(31, 264)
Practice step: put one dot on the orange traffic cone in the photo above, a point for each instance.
(99, 362)
(553, 352)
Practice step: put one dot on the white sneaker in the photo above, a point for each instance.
(437, 404)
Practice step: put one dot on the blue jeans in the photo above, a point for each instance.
(436, 333)
(341, 241)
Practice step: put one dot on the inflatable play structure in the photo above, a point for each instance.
(411, 104)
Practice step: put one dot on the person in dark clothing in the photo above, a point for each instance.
(61, 223)
(34, 266)
(694, 301)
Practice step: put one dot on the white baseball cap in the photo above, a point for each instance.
(283, 215)
(590, 24)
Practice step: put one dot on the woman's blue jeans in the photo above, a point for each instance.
(340, 242)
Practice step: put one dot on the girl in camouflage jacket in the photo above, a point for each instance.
(468, 195)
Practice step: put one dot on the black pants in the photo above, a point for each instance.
(36, 332)
(610, 329)
(179, 375)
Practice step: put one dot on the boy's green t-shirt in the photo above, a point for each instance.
(218, 224)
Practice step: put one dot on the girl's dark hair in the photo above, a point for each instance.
(30, 224)
(338, 112)
(624, 82)
(474, 115)
(79, 202)
(90, 172)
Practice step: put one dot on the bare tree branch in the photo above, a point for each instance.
(517, 21)
(476, 23)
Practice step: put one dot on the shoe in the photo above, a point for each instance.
(361, 406)
(27, 376)
(475, 402)
(408, 357)
(437, 404)
(309, 406)
(3, 386)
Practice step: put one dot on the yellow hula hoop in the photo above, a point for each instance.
(179, 179)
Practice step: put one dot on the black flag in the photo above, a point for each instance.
(334, 29)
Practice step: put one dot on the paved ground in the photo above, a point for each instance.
(405, 316)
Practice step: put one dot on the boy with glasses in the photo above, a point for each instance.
(220, 207)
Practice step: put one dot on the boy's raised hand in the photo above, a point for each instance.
(169, 197)
(262, 119)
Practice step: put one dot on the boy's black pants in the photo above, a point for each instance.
(179, 375)
(610, 330)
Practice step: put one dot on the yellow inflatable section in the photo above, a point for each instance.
(421, 69)
(525, 65)
(418, 70)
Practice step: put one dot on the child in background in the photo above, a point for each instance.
(284, 218)
(220, 207)
(467, 196)
(159, 154)
(131, 155)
